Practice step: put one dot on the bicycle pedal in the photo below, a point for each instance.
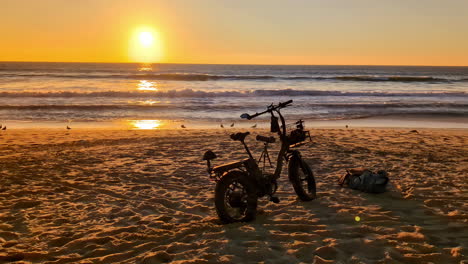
(274, 199)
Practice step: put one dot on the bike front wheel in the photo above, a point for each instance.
(235, 198)
(302, 179)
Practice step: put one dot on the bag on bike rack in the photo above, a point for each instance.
(296, 136)
(274, 126)
(365, 180)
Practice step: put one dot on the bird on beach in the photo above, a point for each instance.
(254, 126)
(346, 126)
(232, 125)
(68, 128)
(221, 126)
(182, 126)
(4, 128)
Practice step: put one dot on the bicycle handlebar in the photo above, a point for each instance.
(270, 109)
(284, 104)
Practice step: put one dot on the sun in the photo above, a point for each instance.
(146, 39)
(145, 45)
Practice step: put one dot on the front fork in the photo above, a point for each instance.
(294, 156)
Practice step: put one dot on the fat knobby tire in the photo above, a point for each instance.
(220, 190)
(294, 166)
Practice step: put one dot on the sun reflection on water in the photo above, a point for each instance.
(149, 102)
(146, 124)
(145, 67)
(144, 85)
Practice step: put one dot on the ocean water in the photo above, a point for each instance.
(102, 92)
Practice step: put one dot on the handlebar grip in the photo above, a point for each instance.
(284, 104)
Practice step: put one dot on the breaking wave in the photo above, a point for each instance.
(190, 93)
(230, 107)
(211, 77)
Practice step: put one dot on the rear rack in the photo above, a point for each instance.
(305, 134)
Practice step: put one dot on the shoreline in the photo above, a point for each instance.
(388, 121)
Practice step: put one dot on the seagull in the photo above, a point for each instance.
(232, 125)
(182, 126)
(4, 128)
(68, 127)
(254, 126)
(221, 126)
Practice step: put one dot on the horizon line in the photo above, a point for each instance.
(258, 64)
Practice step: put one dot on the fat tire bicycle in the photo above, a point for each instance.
(239, 184)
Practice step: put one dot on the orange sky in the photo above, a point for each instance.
(384, 32)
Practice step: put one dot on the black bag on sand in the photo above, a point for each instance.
(365, 180)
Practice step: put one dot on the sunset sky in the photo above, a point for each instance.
(339, 32)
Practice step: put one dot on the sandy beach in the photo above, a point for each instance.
(135, 196)
(110, 112)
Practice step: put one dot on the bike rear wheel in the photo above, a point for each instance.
(302, 179)
(235, 198)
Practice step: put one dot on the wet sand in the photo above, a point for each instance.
(105, 196)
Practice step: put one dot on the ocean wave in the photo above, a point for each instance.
(230, 107)
(213, 77)
(394, 79)
(190, 93)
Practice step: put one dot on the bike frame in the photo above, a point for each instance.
(284, 145)
(250, 164)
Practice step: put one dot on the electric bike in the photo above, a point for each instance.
(239, 184)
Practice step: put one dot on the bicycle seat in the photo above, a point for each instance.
(239, 136)
(265, 139)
